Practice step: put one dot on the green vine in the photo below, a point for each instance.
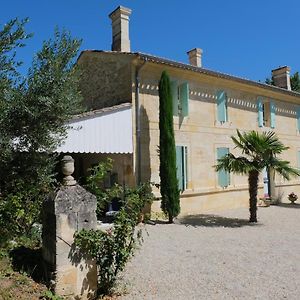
(112, 248)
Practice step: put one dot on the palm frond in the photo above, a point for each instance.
(283, 168)
(230, 163)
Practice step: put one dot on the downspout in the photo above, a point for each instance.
(138, 121)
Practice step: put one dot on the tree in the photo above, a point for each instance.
(259, 150)
(170, 199)
(295, 82)
(33, 113)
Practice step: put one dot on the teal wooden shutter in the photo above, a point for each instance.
(260, 110)
(223, 176)
(272, 110)
(184, 99)
(174, 90)
(185, 175)
(298, 117)
(221, 106)
(179, 168)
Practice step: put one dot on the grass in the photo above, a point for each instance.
(17, 285)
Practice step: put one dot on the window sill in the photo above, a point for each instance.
(223, 124)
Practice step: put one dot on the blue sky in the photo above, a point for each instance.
(242, 38)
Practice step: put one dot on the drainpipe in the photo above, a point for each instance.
(138, 121)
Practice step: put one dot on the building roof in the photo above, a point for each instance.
(107, 130)
(171, 63)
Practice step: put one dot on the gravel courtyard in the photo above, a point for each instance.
(220, 256)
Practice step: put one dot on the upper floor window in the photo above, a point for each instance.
(180, 96)
(181, 166)
(298, 118)
(222, 113)
(266, 113)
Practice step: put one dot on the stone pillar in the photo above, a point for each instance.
(195, 57)
(70, 209)
(120, 29)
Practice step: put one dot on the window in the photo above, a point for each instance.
(223, 176)
(181, 166)
(180, 96)
(266, 113)
(222, 114)
(298, 118)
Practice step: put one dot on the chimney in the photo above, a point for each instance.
(195, 57)
(281, 77)
(120, 29)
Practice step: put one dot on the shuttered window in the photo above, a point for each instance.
(298, 117)
(266, 113)
(174, 89)
(222, 115)
(272, 113)
(260, 109)
(180, 96)
(181, 166)
(223, 176)
(184, 99)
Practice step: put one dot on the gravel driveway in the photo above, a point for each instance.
(220, 256)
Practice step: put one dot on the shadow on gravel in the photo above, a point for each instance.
(289, 205)
(213, 221)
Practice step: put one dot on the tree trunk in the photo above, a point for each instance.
(253, 185)
(171, 219)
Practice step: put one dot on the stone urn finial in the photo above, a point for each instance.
(67, 168)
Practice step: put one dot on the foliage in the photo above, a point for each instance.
(33, 111)
(113, 248)
(95, 184)
(293, 197)
(259, 151)
(270, 81)
(170, 200)
(48, 295)
(295, 82)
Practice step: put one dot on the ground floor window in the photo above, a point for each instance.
(223, 176)
(181, 165)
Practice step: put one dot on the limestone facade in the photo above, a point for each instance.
(200, 131)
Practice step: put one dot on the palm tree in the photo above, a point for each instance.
(259, 150)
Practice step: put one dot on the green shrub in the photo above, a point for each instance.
(113, 248)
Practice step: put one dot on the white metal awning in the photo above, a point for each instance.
(108, 130)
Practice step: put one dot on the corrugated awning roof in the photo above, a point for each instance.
(107, 130)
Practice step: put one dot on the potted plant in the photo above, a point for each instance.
(293, 197)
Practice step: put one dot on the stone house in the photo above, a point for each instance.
(208, 108)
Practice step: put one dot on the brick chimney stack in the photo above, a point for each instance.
(195, 57)
(120, 29)
(281, 77)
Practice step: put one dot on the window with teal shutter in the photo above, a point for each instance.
(223, 176)
(298, 117)
(222, 106)
(298, 160)
(180, 97)
(260, 109)
(272, 111)
(174, 90)
(184, 99)
(181, 166)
